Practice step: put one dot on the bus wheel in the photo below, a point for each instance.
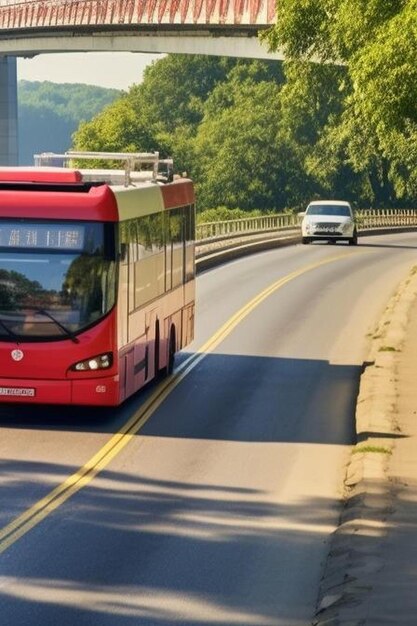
(171, 352)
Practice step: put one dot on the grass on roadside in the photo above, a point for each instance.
(373, 449)
(387, 349)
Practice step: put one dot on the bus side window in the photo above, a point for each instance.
(123, 239)
(177, 240)
(149, 265)
(189, 243)
(124, 260)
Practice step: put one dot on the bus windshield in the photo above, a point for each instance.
(56, 278)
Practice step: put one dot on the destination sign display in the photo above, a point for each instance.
(49, 236)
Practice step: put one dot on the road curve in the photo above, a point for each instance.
(217, 508)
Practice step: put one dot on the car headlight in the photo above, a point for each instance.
(100, 362)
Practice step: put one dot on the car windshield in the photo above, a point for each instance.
(328, 209)
(56, 278)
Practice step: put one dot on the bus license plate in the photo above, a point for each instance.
(21, 392)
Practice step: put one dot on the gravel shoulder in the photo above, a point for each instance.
(369, 577)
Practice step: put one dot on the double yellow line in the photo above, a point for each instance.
(41, 509)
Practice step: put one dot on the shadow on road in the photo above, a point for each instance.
(132, 551)
(234, 397)
(137, 548)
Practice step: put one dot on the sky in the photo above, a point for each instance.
(118, 70)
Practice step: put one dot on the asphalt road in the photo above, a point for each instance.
(217, 506)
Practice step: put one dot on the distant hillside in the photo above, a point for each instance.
(49, 113)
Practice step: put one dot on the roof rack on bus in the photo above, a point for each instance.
(133, 161)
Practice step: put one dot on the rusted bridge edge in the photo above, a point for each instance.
(51, 14)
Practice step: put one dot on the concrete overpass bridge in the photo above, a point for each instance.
(31, 27)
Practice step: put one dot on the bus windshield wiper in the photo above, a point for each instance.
(68, 333)
(9, 332)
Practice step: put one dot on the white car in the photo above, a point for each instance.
(329, 220)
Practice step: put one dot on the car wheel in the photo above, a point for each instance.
(354, 240)
(305, 240)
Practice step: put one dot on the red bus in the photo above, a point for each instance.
(97, 278)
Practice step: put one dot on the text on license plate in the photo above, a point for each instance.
(26, 392)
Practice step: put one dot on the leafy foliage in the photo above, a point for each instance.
(235, 168)
(223, 214)
(374, 135)
(162, 113)
(271, 136)
(217, 117)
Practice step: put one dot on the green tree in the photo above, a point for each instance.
(120, 127)
(237, 159)
(162, 113)
(309, 100)
(376, 42)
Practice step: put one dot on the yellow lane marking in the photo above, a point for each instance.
(239, 316)
(80, 479)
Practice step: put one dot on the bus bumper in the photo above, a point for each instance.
(93, 391)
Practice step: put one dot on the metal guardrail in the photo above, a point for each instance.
(245, 226)
(221, 241)
(365, 219)
(386, 218)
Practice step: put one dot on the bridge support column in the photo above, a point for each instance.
(8, 111)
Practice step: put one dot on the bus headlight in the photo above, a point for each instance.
(100, 362)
